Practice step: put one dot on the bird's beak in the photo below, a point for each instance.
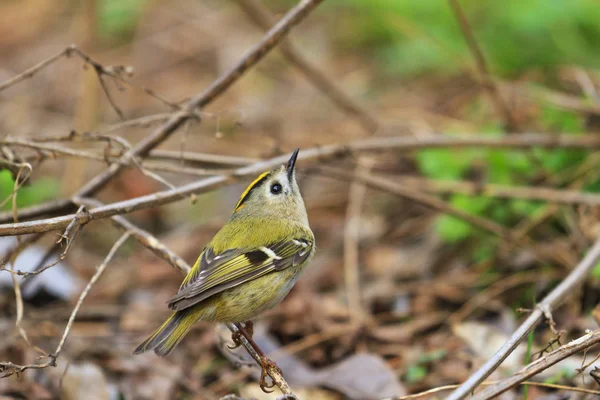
(291, 163)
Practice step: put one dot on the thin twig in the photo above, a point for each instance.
(527, 383)
(487, 81)
(35, 69)
(222, 83)
(202, 158)
(99, 270)
(539, 365)
(145, 238)
(419, 197)
(8, 368)
(546, 194)
(263, 18)
(574, 280)
(352, 231)
(524, 141)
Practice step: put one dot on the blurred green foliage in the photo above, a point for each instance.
(41, 190)
(117, 19)
(501, 167)
(419, 370)
(412, 37)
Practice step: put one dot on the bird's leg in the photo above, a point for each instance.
(266, 364)
(249, 326)
(235, 336)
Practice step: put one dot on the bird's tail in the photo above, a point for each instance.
(168, 336)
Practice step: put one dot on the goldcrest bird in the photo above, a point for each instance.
(249, 266)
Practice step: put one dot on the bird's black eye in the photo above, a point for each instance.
(276, 188)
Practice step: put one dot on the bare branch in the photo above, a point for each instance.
(317, 153)
(35, 69)
(540, 365)
(145, 238)
(99, 270)
(574, 280)
(267, 43)
(272, 372)
(263, 18)
(546, 194)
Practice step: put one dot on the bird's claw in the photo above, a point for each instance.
(266, 365)
(237, 335)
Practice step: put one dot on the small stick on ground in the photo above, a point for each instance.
(8, 368)
(574, 280)
(539, 365)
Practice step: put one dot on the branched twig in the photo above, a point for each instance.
(316, 153)
(551, 301)
(8, 368)
(34, 70)
(99, 270)
(539, 365)
(269, 40)
(68, 237)
(263, 18)
(145, 238)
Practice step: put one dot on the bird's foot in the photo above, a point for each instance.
(267, 365)
(237, 335)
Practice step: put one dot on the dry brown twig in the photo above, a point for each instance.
(540, 365)
(356, 197)
(487, 81)
(574, 280)
(317, 153)
(262, 17)
(68, 237)
(546, 194)
(8, 368)
(445, 388)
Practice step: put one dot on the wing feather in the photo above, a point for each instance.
(213, 274)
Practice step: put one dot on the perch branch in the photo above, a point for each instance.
(272, 372)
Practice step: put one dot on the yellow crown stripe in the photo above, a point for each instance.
(249, 188)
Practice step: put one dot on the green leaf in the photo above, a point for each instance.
(415, 373)
(452, 229)
(444, 164)
(117, 18)
(38, 191)
(432, 356)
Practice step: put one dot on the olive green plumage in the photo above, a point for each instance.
(251, 263)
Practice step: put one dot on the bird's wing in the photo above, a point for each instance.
(215, 273)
